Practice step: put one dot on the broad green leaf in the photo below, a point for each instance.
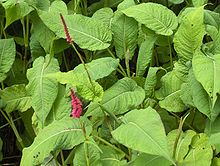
(154, 16)
(183, 145)
(110, 157)
(81, 30)
(91, 91)
(201, 99)
(42, 88)
(122, 96)
(149, 160)
(105, 15)
(15, 10)
(7, 56)
(198, 3)
(16, 98)
(40, 5)
(61, 107)
(98, 68)
(16, 74)
(42, 33)
(145, 55)
(1, 144)
(200, 153)
(190, 34)
(206, 69)
(151, 80)
(125, 31)
(60, 135)
(87, 153)
(78, 77)
(170, 91)
(143, 131)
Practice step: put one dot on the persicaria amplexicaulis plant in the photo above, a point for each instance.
(68, 38)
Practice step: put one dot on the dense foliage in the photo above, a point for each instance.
(110, 82)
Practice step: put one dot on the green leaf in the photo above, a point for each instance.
(7, 56)
(183, 145)
(15, 10)
(149, 160)
(200, 153)
(154, 16)
(42, 88)
(170, 91)
(98, 68)
(190, 34)
(41, 33)
(61, 107)
(206, 69)
(143, 131)
(81, 30)
(145, 55)
(125, 31)
(122, 96)
(105, 15)
(201, 99)
(87, 153)
(16, 98)
(110, 156)
(151, 80)
(60, 135)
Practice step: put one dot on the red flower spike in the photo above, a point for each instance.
(76, 105)
(68, 38)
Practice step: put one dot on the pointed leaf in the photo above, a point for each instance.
(122, 96)
(206, 70)
(190, 34)
(7, 56)
(81, 29)
(42, 88)
(151, 81)
(143, 131)
(145, 55)
(63, 134)
(16, 98)
(87, 153)
(15, 10)
(125, 31)
(170, 91)
(154, 16)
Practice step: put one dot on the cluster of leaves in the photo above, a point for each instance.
(146, 73)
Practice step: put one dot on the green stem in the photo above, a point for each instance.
(2, 84)
(112, 146)
(11, 122)
(62, 157)
(65, 62)
(127, 57)
(84, 65)
(25, 28)
(170, 51)
(70, 157)
(121, 68)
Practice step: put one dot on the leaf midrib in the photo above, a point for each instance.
(56, 134)
(138, 127)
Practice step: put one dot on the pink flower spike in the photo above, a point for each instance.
(76, 105)
(68, 38)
